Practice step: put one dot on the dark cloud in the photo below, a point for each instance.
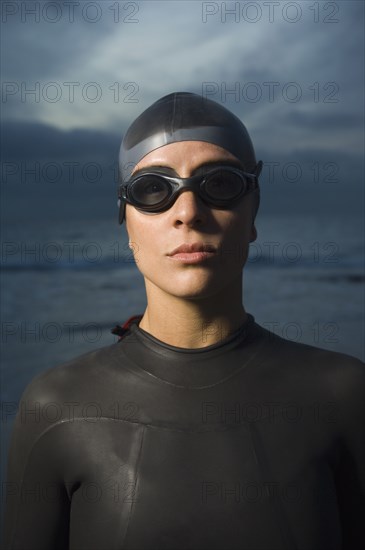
(323, 121)
(32, 140)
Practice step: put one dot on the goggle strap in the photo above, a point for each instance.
(258, 168)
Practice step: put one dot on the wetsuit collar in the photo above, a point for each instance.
(193, 368)
(229, 342)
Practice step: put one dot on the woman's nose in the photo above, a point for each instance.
(189, 208)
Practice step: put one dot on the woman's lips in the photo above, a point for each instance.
(193, 253)
(192, 257)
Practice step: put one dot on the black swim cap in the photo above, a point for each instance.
(184, 116)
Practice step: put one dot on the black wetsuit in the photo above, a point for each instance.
(254, 443)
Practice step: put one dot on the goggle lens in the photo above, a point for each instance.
(150, 190)
(224, 185)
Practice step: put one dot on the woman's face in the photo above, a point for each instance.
(189, 220)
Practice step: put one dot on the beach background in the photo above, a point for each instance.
(294, 75)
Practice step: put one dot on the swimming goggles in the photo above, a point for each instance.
(219, 187)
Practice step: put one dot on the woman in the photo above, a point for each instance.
(199, 429)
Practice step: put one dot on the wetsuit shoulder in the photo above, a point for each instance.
(341, 369)
(316, 375)
(78, 389)
(77, 375)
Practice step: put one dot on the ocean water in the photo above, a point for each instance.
(65, 285)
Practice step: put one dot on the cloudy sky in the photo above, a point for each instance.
(75, 75)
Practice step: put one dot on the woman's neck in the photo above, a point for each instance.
(193, 323)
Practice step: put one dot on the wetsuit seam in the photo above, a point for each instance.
(155, 425)
(180, 386)
(138, 462)
(64, 421)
